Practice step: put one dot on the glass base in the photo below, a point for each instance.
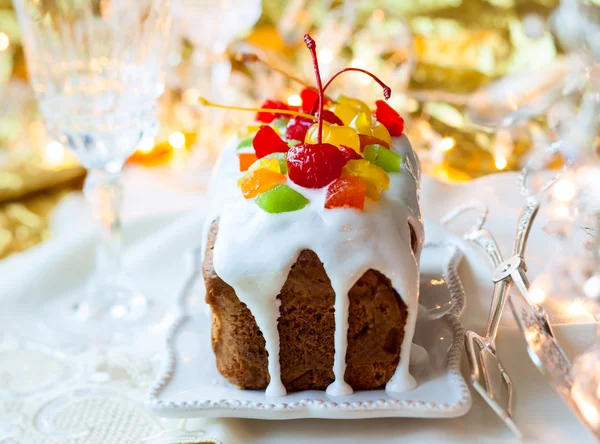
(111, 300)
(105, 313)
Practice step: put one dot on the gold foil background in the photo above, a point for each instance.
(458, 47)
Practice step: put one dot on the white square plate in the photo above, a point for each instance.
(190, 385)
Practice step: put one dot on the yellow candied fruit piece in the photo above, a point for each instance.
(375, 177)
(250, 130)
(344, 112)
(347, 108)
(266, 163)
(361, 124)
(364, 125)
(335, 135)
(381, 132)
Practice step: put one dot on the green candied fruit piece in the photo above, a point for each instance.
(281, 159)
(281, 124)
(281, 199)
(292, 142)
(383, 158)
(246, 143)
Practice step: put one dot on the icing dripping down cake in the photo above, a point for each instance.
(312, 247)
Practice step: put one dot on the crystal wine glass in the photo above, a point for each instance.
(211, 25)
(221, 21)
(95, 67)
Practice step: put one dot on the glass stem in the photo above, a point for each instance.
(104, 192)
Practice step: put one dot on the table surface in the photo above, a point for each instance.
(99, 387)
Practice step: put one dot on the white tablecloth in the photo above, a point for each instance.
(51, 391)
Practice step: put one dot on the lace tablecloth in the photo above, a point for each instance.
(52, 390)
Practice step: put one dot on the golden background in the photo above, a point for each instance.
(458, 47)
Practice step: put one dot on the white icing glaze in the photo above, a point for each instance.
(418, 355)
(254, 252)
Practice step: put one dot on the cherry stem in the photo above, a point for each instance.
(205, 102)
(312, 47)
(246, 57)
(387, 91)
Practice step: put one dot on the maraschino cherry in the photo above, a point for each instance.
(315, 165)
(312, 165)
(297, 128)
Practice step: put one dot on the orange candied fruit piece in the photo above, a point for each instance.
(246, 160)
(258, 181)
(347, 192)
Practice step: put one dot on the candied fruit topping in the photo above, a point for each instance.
(246, 159)
(349, 153)
(361, 124)
(389, 118)
(246, 143)
(248, 131)
(335, 135)
(268, 164)
(379, 131)
(281, 199)
(347, 109)
(346, 149)
(366, 127)
(314, 165)
(297, 128)
(267, 141)
(375, 177)
(347, 192)
(344, 112)
(259, 181)
(329, 117)
(383, 158)
(359, 105)
(280, 157)
(310, 100)
(370, 140)
(268, 117)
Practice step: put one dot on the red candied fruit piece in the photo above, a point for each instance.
(347, 192)
(328, 116)
(349, 153)
(310, 98)
(314, 165)
(366, 140)
(297, 128)
(267, 141)
(389, 118)
(267, 117)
